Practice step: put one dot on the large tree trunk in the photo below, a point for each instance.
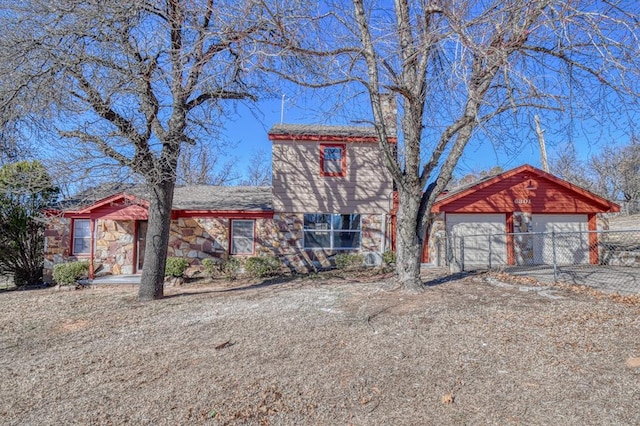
(155, 254)
(409, 244)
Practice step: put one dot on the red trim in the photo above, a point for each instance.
(326, 138)
(607, 206)
(425, 247)
(343, 164)
(511, 257)
(72, 234)
(253, 250)
(112, 199)
(92, 236)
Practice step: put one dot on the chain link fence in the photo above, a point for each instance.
(607, 260)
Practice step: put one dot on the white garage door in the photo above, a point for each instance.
(477, 240)
(564, 234)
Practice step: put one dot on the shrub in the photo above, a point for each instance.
(349, 260)
(231, 268)
(69, 273)
(175, 267)
(212, 266)
(389, 257)
(263, 266)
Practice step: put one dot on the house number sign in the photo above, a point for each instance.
(522, 201)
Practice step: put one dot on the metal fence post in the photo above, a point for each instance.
(490, 253)
(555, 263)
(461, 253)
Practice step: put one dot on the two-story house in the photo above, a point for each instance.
(330, 194)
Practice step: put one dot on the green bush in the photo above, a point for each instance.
(231, 268)
(389, 257)
(349, 260)
(212, 266)
(175, 267)
(263, 266)
(69, 273)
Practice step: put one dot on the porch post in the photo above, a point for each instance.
(510, 246)
(92, 226)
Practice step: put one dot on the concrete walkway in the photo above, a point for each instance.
(116, 279)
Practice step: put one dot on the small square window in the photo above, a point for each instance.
(333, 160)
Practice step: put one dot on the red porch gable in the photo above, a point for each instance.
(116, 207)
(525, 189)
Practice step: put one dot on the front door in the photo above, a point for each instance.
(141, 241)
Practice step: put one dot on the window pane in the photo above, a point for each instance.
(346, 240)
(332, 154)
(242, 236)
(81, 236)
(317, 239)
(241, 245)
(317, 221)
(81, 245)
(81, 228)
(332, 159)
(345, 222)
(243, 228)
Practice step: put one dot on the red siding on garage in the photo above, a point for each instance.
(524, 189)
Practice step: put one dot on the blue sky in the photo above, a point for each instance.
(248, 128)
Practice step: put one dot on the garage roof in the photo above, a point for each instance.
(524, 188)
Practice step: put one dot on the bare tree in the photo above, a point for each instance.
(198, 166)
(127, 84)
(616, 173)
(461, 68)
(258, 171)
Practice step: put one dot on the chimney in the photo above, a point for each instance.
(389, 113)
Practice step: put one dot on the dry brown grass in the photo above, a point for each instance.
(471, 350)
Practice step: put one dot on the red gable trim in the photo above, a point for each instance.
(603, 204)
(114, 198)
(325, 138)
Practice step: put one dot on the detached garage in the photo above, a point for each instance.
(511, 218)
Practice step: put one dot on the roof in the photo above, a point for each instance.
(93, 195)
(199, 198)
(488, 190)
(225, 198)
(318, 129)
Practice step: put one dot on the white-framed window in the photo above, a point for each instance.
(242, 236)
(81, 236)
(332, 231)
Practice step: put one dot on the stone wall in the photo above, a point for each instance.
(285, 240)
(114, 250)
(57, 244)
(199, 238)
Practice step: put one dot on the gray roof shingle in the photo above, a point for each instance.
(317, 129)
(229, 198)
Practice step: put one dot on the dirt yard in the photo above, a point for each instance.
(321, 351)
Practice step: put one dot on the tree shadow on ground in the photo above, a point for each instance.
(448, 278)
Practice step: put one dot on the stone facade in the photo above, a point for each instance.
(286, 241)
(57, 244)
(192, 238)
(114, 248)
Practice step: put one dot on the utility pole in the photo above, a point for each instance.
(543, 149)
